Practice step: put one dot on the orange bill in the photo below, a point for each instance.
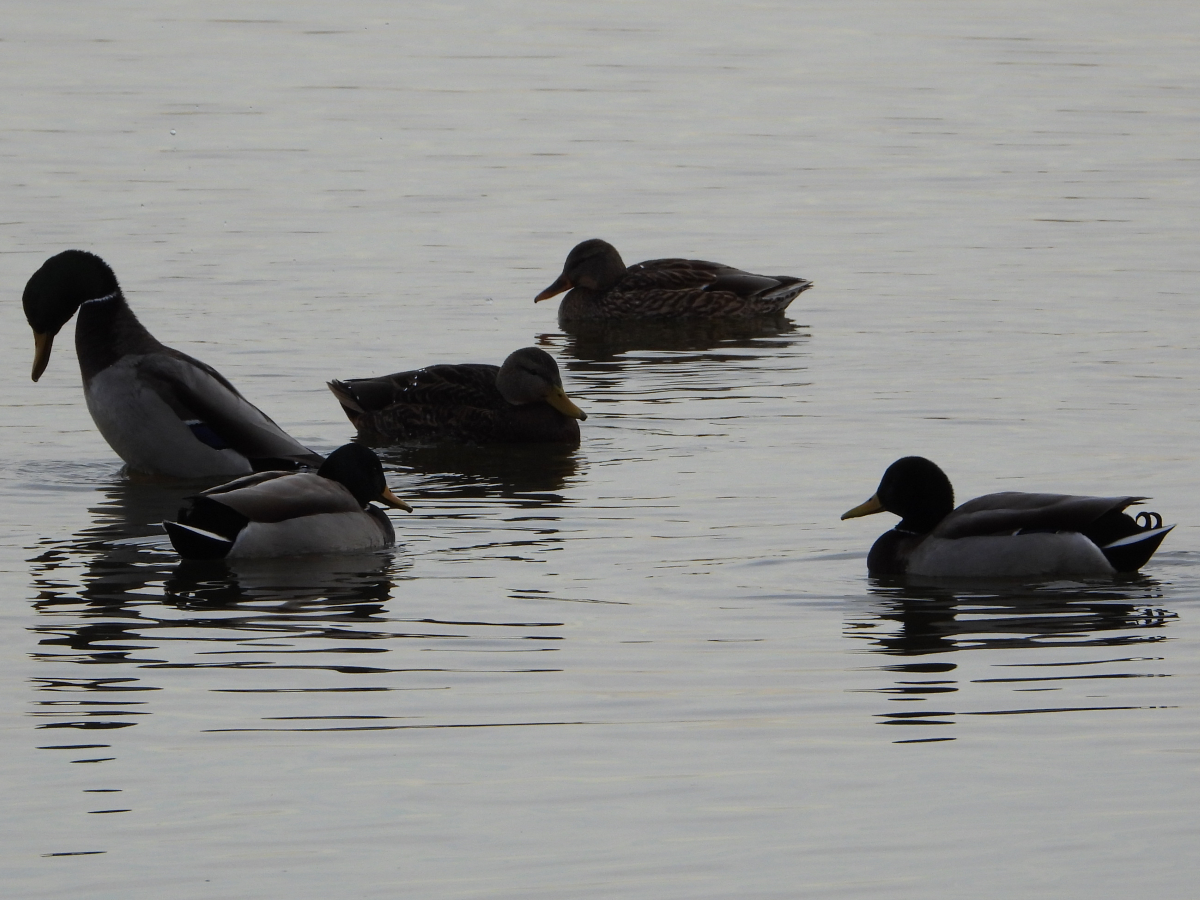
(563, 283)
(42, 344)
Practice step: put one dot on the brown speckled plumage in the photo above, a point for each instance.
(602, 288)
(459, 403)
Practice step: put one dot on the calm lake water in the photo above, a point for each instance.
(654, 667)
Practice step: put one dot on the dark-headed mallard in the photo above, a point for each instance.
(163, 412)
(291, 513)
(1009, 534)
(521, 401)
(603, 288)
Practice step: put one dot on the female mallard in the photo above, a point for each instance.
(521, 401)
(163, 412)
(291, 513)
(1008, 534)
(603, 289)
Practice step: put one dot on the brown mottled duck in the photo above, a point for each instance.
(521, 401)
(602, 288)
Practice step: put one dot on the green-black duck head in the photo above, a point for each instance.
(530, 375)
(593, 264)
(55, 291)
(914, 489)
(359, 470)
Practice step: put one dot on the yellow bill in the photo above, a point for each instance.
(869, 508)
(390, 499)
(559, 400)
(42, 344)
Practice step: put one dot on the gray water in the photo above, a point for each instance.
(654, 667)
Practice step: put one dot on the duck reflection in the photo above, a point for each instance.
(600, 342)
(360, 582)
(537, 471)
(117, 559)
(912, 619)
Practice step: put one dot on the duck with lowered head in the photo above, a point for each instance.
(521, 401)
(603, 289)
(1010, 534)
(291, 513)
(163, 412)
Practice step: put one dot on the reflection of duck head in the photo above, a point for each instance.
(934, 620)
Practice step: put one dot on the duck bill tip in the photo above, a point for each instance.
(390, 499)
(43, 343)
(562, 283)
(869, 508)
(558, 399)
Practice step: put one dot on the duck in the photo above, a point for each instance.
(163, 412)
(603, 288)
(273, 514)
(1009, 534)
(521, 401)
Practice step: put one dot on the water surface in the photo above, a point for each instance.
(653, 667)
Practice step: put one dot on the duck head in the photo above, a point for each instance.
(359, 470)
(914, 489)
(530, 375)
(593, 264)
(55, 291)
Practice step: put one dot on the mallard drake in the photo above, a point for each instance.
(163, 412)
(291, 513)
(603, 288)
(1010, 534)
(521, 401)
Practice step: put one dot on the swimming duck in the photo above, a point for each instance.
(163, 412)
(521, 401)
(1010, 534)
(291, 513)
(602, 288)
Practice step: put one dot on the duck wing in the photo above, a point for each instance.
(671, 287)
(1011, 511)
(217, 413)
(278, 496)
(447, 386)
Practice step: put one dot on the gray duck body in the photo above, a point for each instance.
(1010, 534)
(163, 412)
(271, 514)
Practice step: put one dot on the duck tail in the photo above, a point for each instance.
(196, 543)
(345, 396)
(206, 530)
(1130, 553)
